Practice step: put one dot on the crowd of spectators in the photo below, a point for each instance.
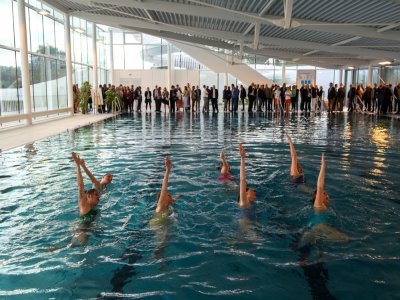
(382, 99)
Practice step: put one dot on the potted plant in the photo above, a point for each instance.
(114, 100)
(84, 96)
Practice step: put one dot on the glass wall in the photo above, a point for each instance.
(46, 57)
(137, 51)
(82, 51)
(46, 46)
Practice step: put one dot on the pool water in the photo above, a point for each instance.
(204, 250)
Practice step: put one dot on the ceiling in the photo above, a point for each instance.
(326, 33)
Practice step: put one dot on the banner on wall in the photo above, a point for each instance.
(305, 77)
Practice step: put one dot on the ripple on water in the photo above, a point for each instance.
(205, 251)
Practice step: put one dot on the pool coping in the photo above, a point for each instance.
(19, 136)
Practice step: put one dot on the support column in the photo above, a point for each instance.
(370, 69)
(169, 65)
(283, 73)
(94, 46)
(68, 63)
(226, 79)
(340, 76)
(24, 62)
(111, 52)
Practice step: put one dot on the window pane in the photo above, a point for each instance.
(36, 32)
(362, 77)
(39, 83)
(89, 29)
(84, 48)
(164, 55)
(77, 55)
(118, 57)
(152, 56)
(90, 50)
(118, 38)
(6, 23)
(60, 41)
(46, 7)
(269, 74)
(90, 78)
(49, 39)
(78, 71)
(62, 84)
(8, 83)
(132, 38)
(58, 15)
(133, 57)
(290, 77)
(51, 76)
(15, 13)
(324, 77)
(85, 73)
(149, 39)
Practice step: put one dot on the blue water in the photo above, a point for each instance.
(204, 251)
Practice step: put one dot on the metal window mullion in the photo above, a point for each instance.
(45, 66)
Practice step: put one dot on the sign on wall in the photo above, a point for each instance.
(305, 77)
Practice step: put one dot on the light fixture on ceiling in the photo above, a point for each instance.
(43, 12)
(79, 30)
(384, 63)
(350, 68)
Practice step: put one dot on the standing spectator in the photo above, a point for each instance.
(308, 99)
(302, 96)
(293, 98)
(341, 94)
(147, 98)
(214, 99)
(261, 98)
(314, 91)
(282, 96)
(320, 98)
(224, 97)
(193, 97)
(350, 96)
(242, 95)
(228, 96)
(367, 97)
(396, 94)
(359, 97)
(252, 96)
(268, 98)
(387, 98)
(235, 98)
(172, 99)
(206, 104)
(277, 97)
(331, 97)
(138, 96)
(198, 96)
(288, 99)
(164, 96)
(157, 98)
(76, 96)
(375, 97)
(186, 95)
(179, 101)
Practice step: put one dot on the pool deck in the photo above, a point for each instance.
(19, 136)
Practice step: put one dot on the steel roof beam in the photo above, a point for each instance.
(212, 11)
(288, 13)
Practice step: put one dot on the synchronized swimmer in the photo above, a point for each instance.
(89, 199)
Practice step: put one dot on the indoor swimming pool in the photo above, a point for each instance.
(204, 251)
